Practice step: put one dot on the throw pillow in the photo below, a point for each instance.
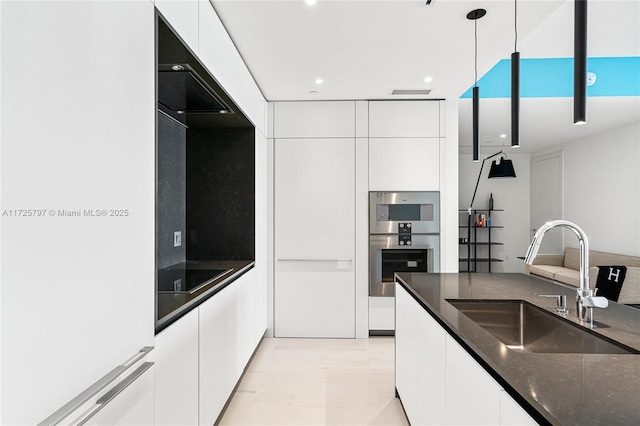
(610, 281)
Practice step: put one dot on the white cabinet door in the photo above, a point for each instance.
(218, 340)
(218, 53)
(245, 311)
(76, 139)
(330, 119)
(176, 355)
(407, 353)
(382, 313)
(314, 299)
(314, 199)
(472, 396)
(131, 407)
(314, 287)
(431, 370)
(512, 414)
(404, 164)
(404, 119)
(182, 15)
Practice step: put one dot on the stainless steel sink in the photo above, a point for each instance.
(524, 327)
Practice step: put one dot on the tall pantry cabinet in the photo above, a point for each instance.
(314, 225)
(328, 155)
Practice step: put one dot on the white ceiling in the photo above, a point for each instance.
(365, 49)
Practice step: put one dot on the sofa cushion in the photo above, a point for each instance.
(572, 258)
(568, 276)
(598, 258)
(547, 271)
(630, 292)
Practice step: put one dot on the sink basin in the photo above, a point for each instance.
(524, 327)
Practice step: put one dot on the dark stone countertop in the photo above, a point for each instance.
(555, 388)
(171, 306)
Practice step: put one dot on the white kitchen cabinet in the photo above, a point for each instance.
(405, 119)
(176, 356)
(382, 313)
(245, 310)
(218, 53)
(226, 343)
(512, 414)
(314, 199)
(472, 396)
(439, 383)
(327, 119)
(76, 139)
(314, 287)
(431, 370)
(182, 15)
(220, 56)
(407, 353)
(133, 406)
(404, 164)
(218, 348)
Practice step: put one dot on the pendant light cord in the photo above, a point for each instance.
(515, 20)
(475, 25)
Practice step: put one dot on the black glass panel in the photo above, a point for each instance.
(404, 212)
(181, 280)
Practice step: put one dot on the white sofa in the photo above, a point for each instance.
(565, 269)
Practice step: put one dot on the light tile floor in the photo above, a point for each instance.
(318, 382)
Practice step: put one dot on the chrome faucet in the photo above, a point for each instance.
(585, 299)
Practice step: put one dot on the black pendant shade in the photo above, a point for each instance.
(502, 170)
(476, 116)
(474, 15)
(515, 99)
(580, 62)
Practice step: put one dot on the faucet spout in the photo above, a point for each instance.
(584, 290)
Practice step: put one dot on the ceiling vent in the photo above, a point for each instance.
(411, 92)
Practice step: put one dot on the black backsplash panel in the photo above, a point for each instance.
(172, 191)
(221, 194)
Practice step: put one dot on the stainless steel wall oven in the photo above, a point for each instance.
(404, 236)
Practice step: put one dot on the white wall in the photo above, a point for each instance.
(602, 189)
(512, 195)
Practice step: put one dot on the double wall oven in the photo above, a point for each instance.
(404, 236)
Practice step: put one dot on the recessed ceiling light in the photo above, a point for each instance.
(503, 136)
(428, 79)
(310, 2)
(319, 81)
(313, 92)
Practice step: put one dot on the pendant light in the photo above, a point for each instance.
(474, 15)
(515, 85)
(580, 62)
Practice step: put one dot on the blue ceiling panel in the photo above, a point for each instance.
(553, 78)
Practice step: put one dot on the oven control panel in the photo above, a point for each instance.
(404, 233)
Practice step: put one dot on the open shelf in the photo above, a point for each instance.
(481, 243)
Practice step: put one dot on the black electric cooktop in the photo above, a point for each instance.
(181, 280)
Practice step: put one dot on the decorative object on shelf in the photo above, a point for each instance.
(474, 15)
(500, 168)
(491, 201)
(580, 62)
(515, 85)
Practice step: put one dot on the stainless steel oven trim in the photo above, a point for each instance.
(377, 226)
(377, 242)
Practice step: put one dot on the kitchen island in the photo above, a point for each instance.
(556, 388)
